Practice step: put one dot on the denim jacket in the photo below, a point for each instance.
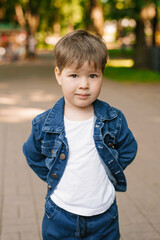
(47, 150)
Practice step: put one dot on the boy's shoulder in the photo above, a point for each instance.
(105, 111)
(48, 117)
(41, 117)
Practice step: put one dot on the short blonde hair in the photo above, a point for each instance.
(79, 46)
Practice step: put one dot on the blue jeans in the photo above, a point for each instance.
(59, 224)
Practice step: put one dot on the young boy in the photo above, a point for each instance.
(80, 147)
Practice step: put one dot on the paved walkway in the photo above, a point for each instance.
(29, 88)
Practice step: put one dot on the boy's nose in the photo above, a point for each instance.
(84, 83)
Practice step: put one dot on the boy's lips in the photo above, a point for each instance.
(82, 95)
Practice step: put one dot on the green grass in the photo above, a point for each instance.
(125, 74)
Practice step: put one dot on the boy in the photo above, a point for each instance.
(80, 147)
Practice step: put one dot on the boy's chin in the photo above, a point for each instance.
(84, 106)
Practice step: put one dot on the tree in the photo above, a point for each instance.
(95, 18)
(118, 9)
(155, 21)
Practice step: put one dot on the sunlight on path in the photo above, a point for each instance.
(16, 108)
(18, 114)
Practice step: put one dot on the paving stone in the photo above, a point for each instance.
(11, 236)
(30, 235)
(20, 227)
(141, 236)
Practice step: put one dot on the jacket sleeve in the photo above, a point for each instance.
(126, 144)
(34, 157)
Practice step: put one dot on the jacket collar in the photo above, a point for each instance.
(54, 122)
(104, 111)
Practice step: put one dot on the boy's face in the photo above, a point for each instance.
(81, 86)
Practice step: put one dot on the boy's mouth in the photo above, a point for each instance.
(82, 95)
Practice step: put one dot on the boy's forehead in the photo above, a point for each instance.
(89, 66)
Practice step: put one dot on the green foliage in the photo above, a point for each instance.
(71, 13)
(121, 53)
(9, 11)
(117, 9)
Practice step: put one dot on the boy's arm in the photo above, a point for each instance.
(126, 144)
(35, 159)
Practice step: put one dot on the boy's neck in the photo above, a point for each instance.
(78, 114)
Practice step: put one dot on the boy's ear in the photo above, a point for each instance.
(58, 75)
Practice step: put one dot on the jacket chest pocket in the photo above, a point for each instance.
(110, 142)
(50, 149)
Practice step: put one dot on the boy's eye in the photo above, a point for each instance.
(74, 75)
(93, 75)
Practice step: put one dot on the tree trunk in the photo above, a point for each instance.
(20, 15)
(154, 24)
(95, 21)
(140, 56)
(97, 18)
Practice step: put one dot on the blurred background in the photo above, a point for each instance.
(131, 28)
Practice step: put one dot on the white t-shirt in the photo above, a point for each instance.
(84, 188)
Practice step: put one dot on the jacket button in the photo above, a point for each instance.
(110, 145)
(54, 175)
(62, 156)
(49, 187)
